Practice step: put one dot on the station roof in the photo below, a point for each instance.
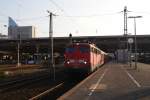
(106, 43)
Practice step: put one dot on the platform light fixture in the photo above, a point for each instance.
(135, 42)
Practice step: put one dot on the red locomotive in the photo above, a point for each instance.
(83, 58)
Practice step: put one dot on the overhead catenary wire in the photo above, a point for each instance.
(19, 3)
(142, 12)
(74, 18)
(94, 15)
(65, 15)
(44, 17)
(62, 10)
(54, 3)
(32, 18)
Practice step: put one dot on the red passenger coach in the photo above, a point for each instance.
(83, 58)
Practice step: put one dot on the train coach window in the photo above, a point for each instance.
(70, 50)
(92, 49)
(99, 52)
(84, 49)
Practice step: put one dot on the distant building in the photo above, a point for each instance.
(23, 32)
(11, 22)
(3, 36)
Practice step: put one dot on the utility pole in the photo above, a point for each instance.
(70, 38)
(125, 11)
(125, 20)
(125, 34)
(51, 38)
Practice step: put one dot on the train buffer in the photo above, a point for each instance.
(113, 81)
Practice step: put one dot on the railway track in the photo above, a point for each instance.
(11, 85)
(41, 95)
(56, 91)
(24, 89)
(27, 80)
(14, 68)
(27, 88)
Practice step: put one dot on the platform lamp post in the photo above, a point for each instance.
(135, 42)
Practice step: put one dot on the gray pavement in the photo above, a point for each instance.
(114, 81)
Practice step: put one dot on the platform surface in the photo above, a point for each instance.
(114, 81)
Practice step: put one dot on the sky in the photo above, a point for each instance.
(78, 17)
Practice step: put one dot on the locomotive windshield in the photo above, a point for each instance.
(70, 50)
(84, 49)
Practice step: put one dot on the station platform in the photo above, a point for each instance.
(114, 81)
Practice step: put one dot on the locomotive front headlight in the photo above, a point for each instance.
(68, 62)
(85, 62)
(82, 62)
